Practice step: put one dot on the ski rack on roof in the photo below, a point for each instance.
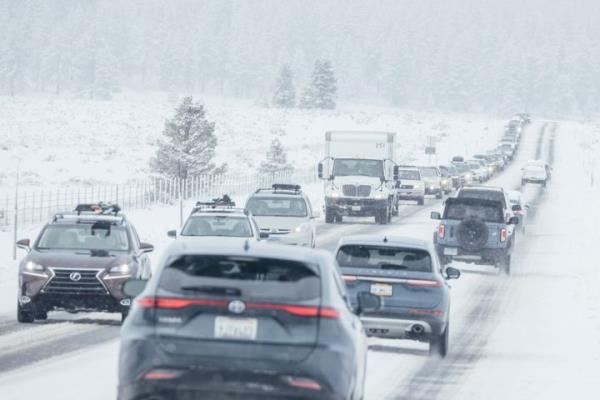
(89, 212)
(100, 208)
(223, 204)
(282, 188)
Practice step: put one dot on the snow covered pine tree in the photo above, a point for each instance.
(189, 145)
(276, 159)
(322, 90)
(285, 94)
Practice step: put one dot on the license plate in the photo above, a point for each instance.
(236, 328)
(381, 289)
(451, 251)
(355, 208)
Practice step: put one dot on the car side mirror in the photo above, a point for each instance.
(398, 184)
(146, 247)
(320, 170)
(514, 221)
(452, 273)
(527, 206)
(517, 207)
(263, 235)
(316, 214)
(172, 234)
(133, 287)
(24, 244)
(436, 215)
(368, 302)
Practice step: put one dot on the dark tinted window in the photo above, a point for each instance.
(384, 257)
(494, 195)
(248, 277)
(409, 175)
(92, 236)
(277, 207)
(485, 212)
(356, 167)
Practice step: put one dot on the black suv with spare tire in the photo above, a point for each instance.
(475, 231)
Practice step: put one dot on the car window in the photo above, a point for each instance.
(96, 236)
(493, 195)
(217, 225)
(460, 211)
(386, 257)
(277, 207)
(409, 175)
(429, 172)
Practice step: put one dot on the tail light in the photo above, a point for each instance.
(302, 383)
(163, 303)
(503, 234)
(350, 278)
(432, 313)
(441, 231)
(422, 283)
(161, 375)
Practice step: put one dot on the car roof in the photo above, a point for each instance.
(248, 248)
(221, 213)
(385, 240)
(278, 193)
(481, 188)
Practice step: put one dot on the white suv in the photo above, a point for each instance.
(220, 220)
(285, 214)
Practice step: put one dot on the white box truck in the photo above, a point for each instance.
(358, 170)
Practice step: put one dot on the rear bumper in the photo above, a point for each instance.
(483, 256)
(415, 329)
(356, 206)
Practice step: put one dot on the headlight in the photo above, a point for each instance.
(31, 266)
(381, 195)
(301, 228)
(444, 181)
(123, 269)
(333, 194)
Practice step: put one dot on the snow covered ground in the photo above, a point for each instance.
(66, 141)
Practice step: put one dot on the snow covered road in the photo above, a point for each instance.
(510, 336)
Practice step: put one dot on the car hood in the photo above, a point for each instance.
(79, 260)
(271, 223)
(196, 241)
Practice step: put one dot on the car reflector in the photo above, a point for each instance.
(158, 375)
(302, 383)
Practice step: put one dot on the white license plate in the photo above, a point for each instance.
(451, 251)
(236, 328)
(355, 208)
(381, 289)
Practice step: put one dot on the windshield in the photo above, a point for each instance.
(216, 225)
(84, 237)
(429, 172)
(378, 257)
(277, 207)
(357, 167)
(409, 175)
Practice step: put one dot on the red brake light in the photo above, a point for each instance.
(433, 313)
(418, 283)
(303, 383)
(441, 231)
(177, 304)
(350, 278)
(503, 234)
(157, 375)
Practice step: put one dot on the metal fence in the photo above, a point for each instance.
(38, 205)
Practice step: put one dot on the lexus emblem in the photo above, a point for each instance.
(237, 307)
(75, 276)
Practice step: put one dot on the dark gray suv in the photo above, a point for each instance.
(258, 321)
(475, 231)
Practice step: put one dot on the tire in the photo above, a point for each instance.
(41, 315)
(421, 201)
(504, 265)
(24, 316)
(339, 219)
(124, 315)
(329, 216)
(395, 209)
(439, 345)
(439, 195)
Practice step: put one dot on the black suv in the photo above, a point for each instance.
(79, 262)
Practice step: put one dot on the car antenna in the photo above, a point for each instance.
(385, 239)
(246, 245)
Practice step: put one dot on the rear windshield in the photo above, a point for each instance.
(483, 195)
(247, 277)
(277, 207)
(485, 212)
(429, 172)
(92, 236)
(392, 258)
(409, 175)
(216, 225)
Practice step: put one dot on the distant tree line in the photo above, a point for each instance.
(457, 55)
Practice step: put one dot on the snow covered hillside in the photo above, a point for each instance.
(66, 141)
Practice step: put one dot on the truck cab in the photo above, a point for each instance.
(358, 175)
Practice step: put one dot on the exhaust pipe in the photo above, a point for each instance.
(417, 329)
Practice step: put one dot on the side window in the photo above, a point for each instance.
(136, 238)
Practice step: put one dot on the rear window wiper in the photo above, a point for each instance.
(214, 290)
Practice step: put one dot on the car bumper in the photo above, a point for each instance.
(433, 190)
(410, 194)
(356, 206)
(483, 256)
(398, 328)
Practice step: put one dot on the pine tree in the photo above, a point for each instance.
(285, 94)
(322, 90)
(189, 145)
(276, 159)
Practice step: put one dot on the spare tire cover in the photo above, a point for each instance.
(472, 234)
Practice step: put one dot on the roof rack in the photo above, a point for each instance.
(100, 208)
(73, 216)
(222, 204)
(282, 188)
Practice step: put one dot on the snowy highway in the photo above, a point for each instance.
(514, 337)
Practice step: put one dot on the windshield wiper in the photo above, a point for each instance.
(214, 290)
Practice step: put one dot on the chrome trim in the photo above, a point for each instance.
(386, 280)
(396, 327)
(76, 269)
(34, 274)
(111, 277)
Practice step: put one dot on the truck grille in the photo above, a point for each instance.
(406, 186)
(87, 284)
(356, 191)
